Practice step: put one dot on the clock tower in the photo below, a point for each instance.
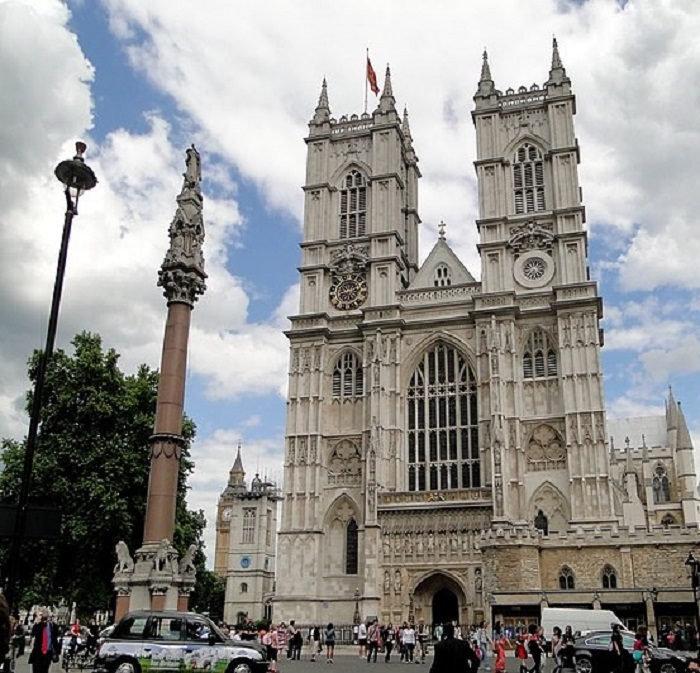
(246, 524)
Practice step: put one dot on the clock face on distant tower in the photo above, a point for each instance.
(348, 291)
(226, 514)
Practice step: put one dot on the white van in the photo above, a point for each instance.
(578, 619)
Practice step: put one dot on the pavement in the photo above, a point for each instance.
(346, 660)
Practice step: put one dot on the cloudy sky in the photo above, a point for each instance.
(139, 81)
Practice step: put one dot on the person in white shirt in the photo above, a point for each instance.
(362, 639)
(409, 642)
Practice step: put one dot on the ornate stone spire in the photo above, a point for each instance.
(237, 473)
(486, 86)
(671, 411)
(557, 73)
(387, 101)
(323, 111)
(182, 273)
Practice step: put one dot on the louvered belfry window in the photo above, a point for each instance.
(539, 356)
(443, 435)
(353, 206)
(347, 377)
(528, 180)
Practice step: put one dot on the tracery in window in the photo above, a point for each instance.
(248, 525)
(545, 450)
(347, 377)
(351, 548)
(353, 205)
(539, 356)
(443, 276)
(566, 579)
(528, 179)
(661, 486)
(609, 577)
(443, 445)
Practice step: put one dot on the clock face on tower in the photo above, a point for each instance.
(226, 514)
(348, 291)
(245, 562)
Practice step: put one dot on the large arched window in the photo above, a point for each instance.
(351, 548)
(566, 579)
(353, 205)
(347, 377)
(609, 577)
(443, 444)
(539, 356)
(528, 179)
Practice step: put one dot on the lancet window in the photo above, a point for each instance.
(347, 377)
(609, 577)
(353, 205)
(351, 554)
(661, 486)
(539, 356)
(443, 446)
(528, 179)
(566, 578)
(248, 525)
(443, 276)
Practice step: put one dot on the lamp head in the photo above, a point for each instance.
(75, 174)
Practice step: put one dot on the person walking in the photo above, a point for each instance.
(409, 642)
(362, 639)
(45, 644)
(617, 651)
(329, 637)
(521, 653)
(452, 654)
(482, 640)
(270, 642)
(499, 649)
(373, 641)
(557, 643)
(422, 638)
(387, 634)
(534, 648)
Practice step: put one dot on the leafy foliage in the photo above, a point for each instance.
(92, 463)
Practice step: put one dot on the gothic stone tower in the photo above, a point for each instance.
(424, 407)
(246, 523)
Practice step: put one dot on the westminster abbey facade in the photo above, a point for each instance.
(448, 454)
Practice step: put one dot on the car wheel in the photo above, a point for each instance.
(127, 666)
(667, 667)
(240, 667)
(584, 665)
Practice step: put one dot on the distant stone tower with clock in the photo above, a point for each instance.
(246, 525)
(447, 445)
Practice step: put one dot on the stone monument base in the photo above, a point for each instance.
(156, 580)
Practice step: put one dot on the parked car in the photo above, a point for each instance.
(168, 641)
(592, 653)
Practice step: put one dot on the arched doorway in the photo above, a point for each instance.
(440, 598)
(445, 607)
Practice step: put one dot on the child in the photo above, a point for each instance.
(499, 651)
(521, 653)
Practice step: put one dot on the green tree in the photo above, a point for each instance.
(92, 464)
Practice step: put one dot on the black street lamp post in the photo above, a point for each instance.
(693, 566)
(77, 177)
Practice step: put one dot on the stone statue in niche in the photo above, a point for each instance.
(397, 581)
(387, 582)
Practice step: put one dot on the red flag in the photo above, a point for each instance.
(372, 78)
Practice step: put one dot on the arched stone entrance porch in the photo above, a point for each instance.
(439, 597)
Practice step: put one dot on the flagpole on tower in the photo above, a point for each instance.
(366, 78)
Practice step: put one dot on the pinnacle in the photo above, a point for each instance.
(557, 73)
(323, 111)
(486, 87)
